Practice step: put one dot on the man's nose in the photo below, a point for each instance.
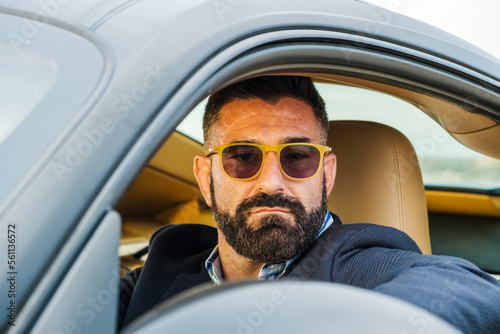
(271, 178)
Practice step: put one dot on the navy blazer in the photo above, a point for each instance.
(368, 256)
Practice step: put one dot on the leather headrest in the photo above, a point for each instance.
(378, 179)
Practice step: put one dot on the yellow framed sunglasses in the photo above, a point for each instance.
(244, 161)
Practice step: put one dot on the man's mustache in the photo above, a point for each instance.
(274, 200)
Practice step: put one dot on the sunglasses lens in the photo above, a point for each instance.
(241, 161)
(300, 161)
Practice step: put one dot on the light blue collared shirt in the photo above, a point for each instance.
(268, 271)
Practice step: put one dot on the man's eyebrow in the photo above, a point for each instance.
(287, 140)
(249, 141)
(291, 140)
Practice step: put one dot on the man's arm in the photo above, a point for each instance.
(127, 285)
(449, 287)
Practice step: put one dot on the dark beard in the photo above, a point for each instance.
(274, 239)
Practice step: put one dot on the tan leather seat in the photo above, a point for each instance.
(378, 179)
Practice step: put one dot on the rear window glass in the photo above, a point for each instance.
(444, 162)
(47, 74)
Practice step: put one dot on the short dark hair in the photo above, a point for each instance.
(270, 89)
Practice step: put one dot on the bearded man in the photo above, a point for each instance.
(266, 175)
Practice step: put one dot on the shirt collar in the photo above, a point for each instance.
(214, 266)
(267, 272)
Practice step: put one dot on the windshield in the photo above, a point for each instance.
(474, 21)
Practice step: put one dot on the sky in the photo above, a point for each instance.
(475, 21)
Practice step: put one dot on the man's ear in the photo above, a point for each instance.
(330, 165)
(201, 168)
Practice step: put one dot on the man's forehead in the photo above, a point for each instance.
(284, 140)
(254, 120)
(252, 111)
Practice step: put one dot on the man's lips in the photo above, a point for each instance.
(270, 210)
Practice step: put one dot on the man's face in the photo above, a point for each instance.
(270, 217)
(272, 238)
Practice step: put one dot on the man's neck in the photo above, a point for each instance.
(235, 266)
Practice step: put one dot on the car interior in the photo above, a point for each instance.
(378, 181)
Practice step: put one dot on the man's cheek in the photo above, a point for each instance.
(227, 202)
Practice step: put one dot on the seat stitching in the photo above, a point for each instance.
(399, 182)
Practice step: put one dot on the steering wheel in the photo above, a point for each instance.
(272, 307)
